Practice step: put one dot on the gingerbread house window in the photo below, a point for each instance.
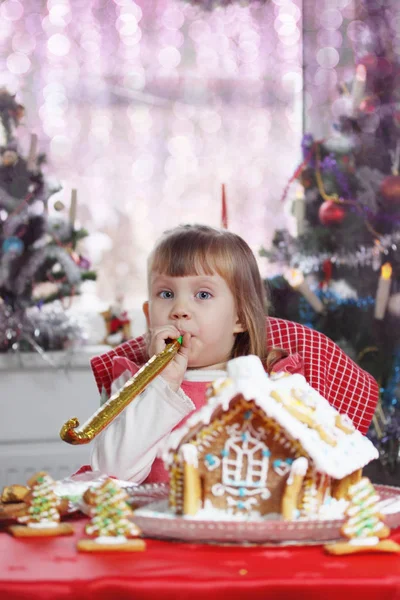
(245, 461)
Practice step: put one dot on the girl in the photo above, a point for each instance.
(204, 284)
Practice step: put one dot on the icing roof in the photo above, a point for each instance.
(330, 439)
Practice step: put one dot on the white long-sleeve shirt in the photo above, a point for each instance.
(127, 448)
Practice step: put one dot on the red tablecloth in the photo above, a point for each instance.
(52, 569)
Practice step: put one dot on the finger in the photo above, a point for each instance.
(186, 345)
(160, 337)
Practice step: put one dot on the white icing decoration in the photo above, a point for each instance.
(332, 509)
(347, 422)
(189, 453)
(281, 469)
(109, 539)
(242, 492)
(211, 466)
(242, 503)
(218, 489)
(367, 541)
(43, 524)
(299, 468)
(242, 444)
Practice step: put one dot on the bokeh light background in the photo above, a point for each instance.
(147, 107)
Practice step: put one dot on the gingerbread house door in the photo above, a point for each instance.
(244, 469)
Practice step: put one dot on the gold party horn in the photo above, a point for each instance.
(119, 401)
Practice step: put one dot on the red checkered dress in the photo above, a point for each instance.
(326, 367)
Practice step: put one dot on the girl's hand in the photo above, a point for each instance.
(176, 369)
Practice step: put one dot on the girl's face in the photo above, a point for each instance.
(201, 305)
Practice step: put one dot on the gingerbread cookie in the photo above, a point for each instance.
(110, 528)
(14, 493)
(40, 515)
(364, 527)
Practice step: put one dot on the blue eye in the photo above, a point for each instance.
(166, 294)
(203, 295)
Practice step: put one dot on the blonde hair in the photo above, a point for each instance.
(197, 249)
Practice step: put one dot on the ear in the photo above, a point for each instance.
(239, 327)
(145, 309)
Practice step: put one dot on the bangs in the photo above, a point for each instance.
(182, 256)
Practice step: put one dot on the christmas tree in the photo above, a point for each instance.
(39, 260)
(341, 272)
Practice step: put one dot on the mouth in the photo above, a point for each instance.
(182, 331)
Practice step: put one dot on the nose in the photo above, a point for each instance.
(180, 311)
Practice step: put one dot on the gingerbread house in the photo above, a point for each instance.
(264, 445)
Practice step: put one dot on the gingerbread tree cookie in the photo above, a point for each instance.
(110, 526)
(363, 527)
(41, 516)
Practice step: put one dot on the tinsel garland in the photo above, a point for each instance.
(39, 329)
(54, 253)
(288, 251)
(332, 301)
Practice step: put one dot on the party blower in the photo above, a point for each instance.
(73, 434)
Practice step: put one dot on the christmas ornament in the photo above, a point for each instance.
(13, 244)
(327, 270)
(58, 205)
(9, 158)
(118, 325)
(331, 213)
(390, 190)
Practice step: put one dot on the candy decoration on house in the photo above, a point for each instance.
(364, 527)
(40, 262)
(41, 517)
(110, 527)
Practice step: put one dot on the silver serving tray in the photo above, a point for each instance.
(146, 493)
(138, 495)
(155, 520)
